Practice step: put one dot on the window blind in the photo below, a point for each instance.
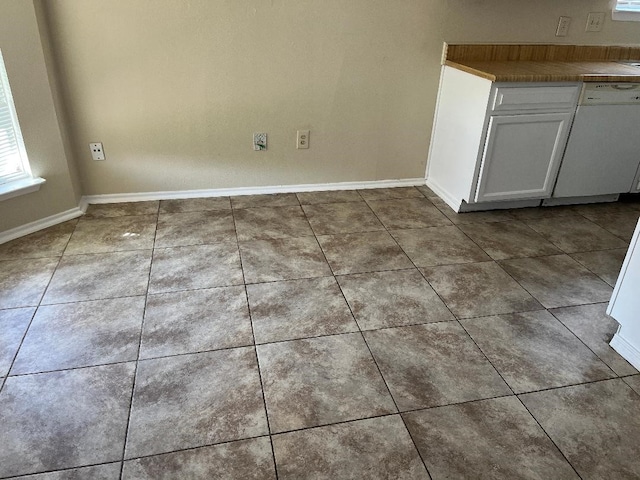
(628, 6)
(13, 159)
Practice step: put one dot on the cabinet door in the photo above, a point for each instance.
(522, 155)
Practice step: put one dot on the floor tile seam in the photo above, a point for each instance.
(570, 385)
(195, 289)
(82, 254)
(88, 300)
(65, 469)
(71, 369)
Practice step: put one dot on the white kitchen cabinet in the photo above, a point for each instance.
(498, 144)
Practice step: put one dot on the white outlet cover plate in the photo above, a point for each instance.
(303, 139)
(97, 152)
(259, 141)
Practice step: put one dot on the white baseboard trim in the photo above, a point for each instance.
(630, 353)
(444, 195)
(223, 192)
(32, 227)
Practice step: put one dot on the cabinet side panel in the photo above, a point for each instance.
(457, 133)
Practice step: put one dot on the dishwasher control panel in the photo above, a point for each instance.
(610, 94)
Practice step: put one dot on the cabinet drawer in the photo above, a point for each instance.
(511, 98)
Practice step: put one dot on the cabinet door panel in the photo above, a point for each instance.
(522, 155)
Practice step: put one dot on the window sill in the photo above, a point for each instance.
(20, 187)
(625, 16)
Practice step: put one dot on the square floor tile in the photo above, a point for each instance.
(558, 281)
(271, 222)
(604, 263)
(75, 335)
(49, 242)
(490, 439)
(101, 235)
(363, 252)
(508, 240)
(269, 200)
(64, 419)
(428, 247)
(331, 196)
(195, 321)
(621, 224)
(408, 213)
(180, 205)
(106, 471)
(595, 328)
(575, 234)
(195, 266)
(389, 193)
(390, 299)
(22, 282)
(479, 289)
(193, 400)
(433, 364)
(320, 381)
(102, 275)
(471, 217)
(535, 213)
(13, 325)
(298, 309)
(596, 426)
(353, 217)
(534, 351)
(375, 448)
(282, 259)
(195, 228)
(124, 209)
(242, 460)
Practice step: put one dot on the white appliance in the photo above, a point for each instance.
(603, 152)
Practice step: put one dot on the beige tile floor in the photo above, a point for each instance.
(354, 334)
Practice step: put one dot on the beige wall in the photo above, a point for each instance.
(25, 62)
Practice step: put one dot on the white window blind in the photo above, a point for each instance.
(13, 157)
(628, 6)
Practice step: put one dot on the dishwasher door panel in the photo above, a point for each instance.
(603, 152)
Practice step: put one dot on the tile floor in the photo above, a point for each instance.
(354, 334)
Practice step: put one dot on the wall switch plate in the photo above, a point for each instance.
(563, 26)
(97, 152)
(303, 139)
(259, 141)
(594, 22)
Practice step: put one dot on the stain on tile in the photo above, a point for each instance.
(479, 289)
(282, 259)
(376, 448)
(271, 222)
(298, 309)
(107, 471)
(320, 381)
(534, 351)
(13, 325)
(124, 209)
(195, 228)
(269, 200)
(433, 364)
(558, 281)
(575, 234)
(596, 426)
(395, 298)
(492, 439)
(101, 235)
(331, 218)
(363, 252)
(503, 240)
(97, 276)
(22, 282)
(64, 419)
(181, 205)
(194, 400)
(604, 263)
(81, 334)
(595, 328)
(389, 193)
(195, 266)
(242, 460)
(408, 213)
(331, 196)
(433, 246)
(195, 321)
(471, 217)
(49, 242)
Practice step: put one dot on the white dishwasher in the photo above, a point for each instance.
(602, 156)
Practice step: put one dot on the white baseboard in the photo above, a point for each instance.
(630, 353)
(32, 227)
(444, 195)
(223, 192)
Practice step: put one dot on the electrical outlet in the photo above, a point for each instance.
(563, 26)
(303, 139)
(259, 141)
(97, 152)
(594, 22)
